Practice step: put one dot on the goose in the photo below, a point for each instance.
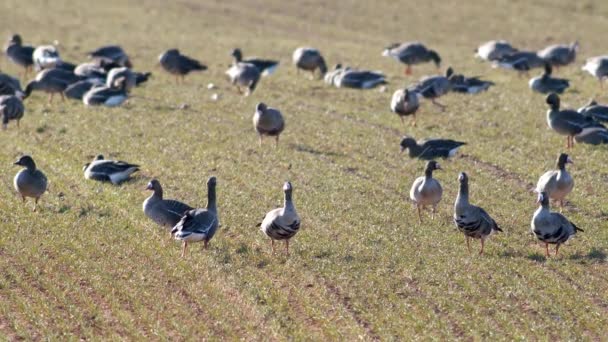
(122, 76)
(433, 87)
(470, 219)
(265, 66)
(352, 78)
(11, 108)
(426, 190)
(268, 121)
(67, 66)
(468, 85)
(545, 84)
(557, 184)
(166, 213)
(107, 96)
(282, 223)
(10, 85)
(494, 50)
(173, 62)
(430, 149)
(405, 103)
(597, 67)
(141, 77)
(111, 54)
(46, 57)
(199, 224)
(244, 75)
(77, 90)
(569, 122)
(521, 61)
(90, 70)
(309, 59)
(559, 54)
(114, 171)
(30, 182)
(594, 137)
(550, 227)
(411, 53)
(20, 54)
(595, 110)
(51, 81)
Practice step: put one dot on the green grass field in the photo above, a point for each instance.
(90, 265)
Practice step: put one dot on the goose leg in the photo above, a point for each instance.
(260, 140)
(184, 249)
(272, 245)
(408, 70)
(205, 244)
(561, 205)
(276, 142)
(18, 123)
(556, 249)
(547, 249)
(419, 216)
(433, 211)
(287, 247)
(402, 121)
(442, 107)
(23, 198)
(482, 243)
(51, 98)
(414, 120)
(36, 203)
(468, 243)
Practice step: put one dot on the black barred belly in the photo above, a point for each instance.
(278, 232)
(475, 229)
(559, 236)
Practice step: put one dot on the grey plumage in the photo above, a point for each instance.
(244, 75)
(77, 90)
(595, 110)
(559, 54)
(405, 103)
(111, 54)
(569, 122)
(494, 50)
(114, 171)
(346, 77)
(597, 67)
(521, 61)
(30, 182)
(265, 66)
(107, 96)
(10, 85)
(427, 191)
(309, 59)
(268, 121)
(166, 213)
(11, 108)
(121, 77)
(550, 227)
(431, 148)
(46, 57)
(545, 84)
(173, 62)
(282, 223)
(433, 87)
(471, 220)
(411, 53)
(52, 81)
(18, 53)
(557, 184)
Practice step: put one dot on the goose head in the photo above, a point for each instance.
(237, 54)
(543, 199)
(553, 101)
(562, 160)
(463, 178)
(407, 142)
(27, 162)
(15, 39)
(435, 57)
(261, 107)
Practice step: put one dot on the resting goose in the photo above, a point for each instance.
(557, 184)
(111, 54)
(107, 96)
(470, 219)
(52, 81)
(569, 122)
(521, 61)
(594, 137)
(550, 227)
(411, 53)
(545, 84)
(405, 103)
(430, 149)
(595, 110)
(468, 85)
(244, 75)
(166, 213)
(199, 224)
(352, 78)
(426, 190)
(113, 171)
(77, 90)
(19, 54)
(309, 59)
(121, 77)
(597, 67)
(494, 50)
(282, 223)
(433, 87)
(10, 86)
(91, 70)
(46, 57)
(559, 54)
(173, 62)
(30, 182)
(265, 66)
(268, 121)
(11, 108)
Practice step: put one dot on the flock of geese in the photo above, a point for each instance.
(108, 78)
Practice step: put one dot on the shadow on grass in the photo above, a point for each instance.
(595, 255)
(308, 149)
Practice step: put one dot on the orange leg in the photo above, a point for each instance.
(556, 249)
(468, 243)
(482, 242)
(287, 247)
(184, 249)
(419, 216)
(408, 70)
(272, 245)
(276, 141)
(206, 244)
(547, 249)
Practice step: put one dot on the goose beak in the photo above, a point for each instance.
(438, 167)
(569, 161)
(401, 149)
(149, 187)
(17, 163)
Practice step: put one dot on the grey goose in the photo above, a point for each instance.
(521, 61)
(78, 89)
(468, 85)
(46, 57)
(107, 96)
(346, 77)
(19, 54)
(430, 149)
(179, 65)
(545, 84)
(121, 77)
(559, 54)
(10, 85)
(426, 191)
(265, 66)
(52, 81)
(550, 227)
(412, 53)
(282, 223)
(494, 50)
(405, 103)
(597, 67)
(557, 184)
(309, 59)
(11, 108)
(473, 221)
(111, 54)
(244, 75)
(114, 171)
(268, 121)
(569, 122)
(433, 87)
(164, 212)
(199, 224)
(30, 182)
(595, 110)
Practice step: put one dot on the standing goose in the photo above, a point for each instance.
(569, 122)
(10, 86)
(19, 54)
(244, 75)
(268, 121)
(405, 103)
(351, 78)
(111, 54)
(114, 171)
(430, 149)
(282, 223)
(550, 227)
(595, 110)
(265, 66)
(545, 84)
(52, 81)
(559, 54)
(179, 65)
(426, 190)
(309, 59)
(46, 57)
(434, 87)
(494, 50)
(470, 219)
(597, 67)
(11, 108)
(557, 184)
(30, 182)
(166, 213)
(199, 224)
(411, 53)
(107, 96)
